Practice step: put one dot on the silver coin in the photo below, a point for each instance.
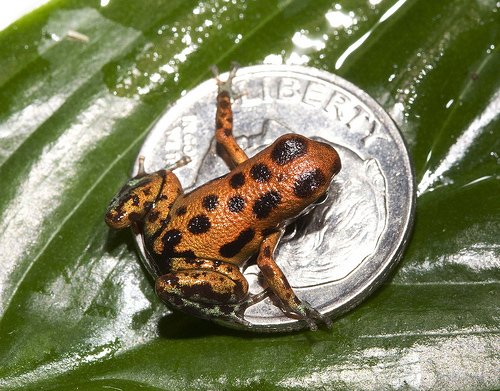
(335, 256)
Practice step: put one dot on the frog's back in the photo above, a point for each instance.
(227, 219)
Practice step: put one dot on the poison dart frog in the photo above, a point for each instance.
(199, 241)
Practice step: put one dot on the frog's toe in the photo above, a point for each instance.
(309, 313)
(326, 320)
(215, 71)
(232, 71)
(225, 85)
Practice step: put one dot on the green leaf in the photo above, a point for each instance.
(77, 309)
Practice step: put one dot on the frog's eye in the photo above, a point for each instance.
(322, 198)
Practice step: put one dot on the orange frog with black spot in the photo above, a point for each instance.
(198, 242)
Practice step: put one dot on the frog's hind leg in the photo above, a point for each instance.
(278, 283)
(224, 117)
(205, 288)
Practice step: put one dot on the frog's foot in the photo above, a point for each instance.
(225, 312)
(179, 163)
(235, 312)
(140, 167)
(308, 313)
(225, 85)
(291, 305)
(238, 310)
(218, 312)
(142, 172)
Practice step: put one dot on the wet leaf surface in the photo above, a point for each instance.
(78, 310)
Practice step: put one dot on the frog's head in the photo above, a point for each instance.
(133, 200)
(136, 198)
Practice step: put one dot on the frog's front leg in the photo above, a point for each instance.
(224, 117)
(205, 288)
(280, 286)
